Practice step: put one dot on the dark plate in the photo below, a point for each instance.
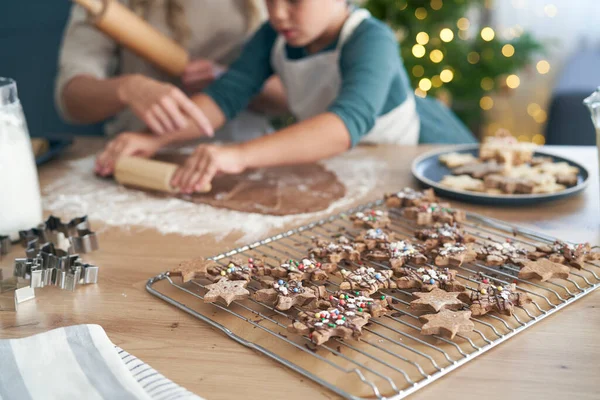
(428, 170)
(56, 146)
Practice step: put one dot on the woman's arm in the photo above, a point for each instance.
(88, 99)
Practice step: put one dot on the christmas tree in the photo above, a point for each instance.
(452, 53)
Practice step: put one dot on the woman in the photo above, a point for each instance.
(98, 79)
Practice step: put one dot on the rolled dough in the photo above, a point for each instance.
(274, 191)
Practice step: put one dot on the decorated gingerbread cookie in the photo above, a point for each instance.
(428, 214)
(567, 254)
(368, 280)
(306, 269)
(371, 219)
(287, 294)
(356, 303)
(490, 297)
(399, 253)
(200, 268)
(440, 234)
(338, 251)
(428, 278)
(501, 253)
(322, 325)
(373, 238)
(408, 197)
(454, 255)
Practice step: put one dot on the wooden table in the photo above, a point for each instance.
(557, 358)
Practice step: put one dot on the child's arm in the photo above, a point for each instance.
(312, 140)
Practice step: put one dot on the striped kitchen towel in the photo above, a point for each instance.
(78, 362)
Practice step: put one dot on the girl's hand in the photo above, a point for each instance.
(206, 162)
(126, 144)
(199, 74)
(163, 107)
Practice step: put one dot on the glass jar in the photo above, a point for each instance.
(20, 201)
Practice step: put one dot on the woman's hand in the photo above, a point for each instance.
(163, 107)
(199, 74)
(206, 162)
(127, 144)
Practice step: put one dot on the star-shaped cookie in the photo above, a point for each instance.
(335, 252)
(440, 234)
(322, 325)
(428, 213)
(371, 219)
(408, 197)
(454, 255)
(374, 237)
(565, 253)
(436, 300)
(399, 253)
(543, 269)
(501, 253)
(447, 323)
(427, 279)
(286, 295)
(489, 297)
(368, 280)
(193, 269)
(227, 290)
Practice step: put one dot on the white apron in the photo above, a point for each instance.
(313, 83)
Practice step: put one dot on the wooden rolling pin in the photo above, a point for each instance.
(131, 31)
(147, 174)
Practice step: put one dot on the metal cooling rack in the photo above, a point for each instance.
(391, 359)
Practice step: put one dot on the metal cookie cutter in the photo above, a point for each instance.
(86, 241)
(5, 245)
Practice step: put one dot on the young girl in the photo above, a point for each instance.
(98, 79)
(344, 81)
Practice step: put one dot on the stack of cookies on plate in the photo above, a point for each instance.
(506, 167)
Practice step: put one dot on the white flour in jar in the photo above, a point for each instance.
(20, 202)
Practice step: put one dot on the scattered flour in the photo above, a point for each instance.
(78, 192)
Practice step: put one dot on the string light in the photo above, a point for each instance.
(421, 13)
(538, 139)
(486, 103)
(487, 84)
(464, 35)
(473, 57)
(513, 81)
(508, 50)
(523, 138)
(422, 38)
(437, 4)
(488, 34)
(447, 75)
(425, 84)
(463, 24)
(446, 35)
(540, 117)
(533, 109)
(418, 71)
(418, 51)
(543, 67)
(436, 81)
(436, 56)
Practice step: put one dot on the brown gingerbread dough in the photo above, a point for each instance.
(284, 190)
